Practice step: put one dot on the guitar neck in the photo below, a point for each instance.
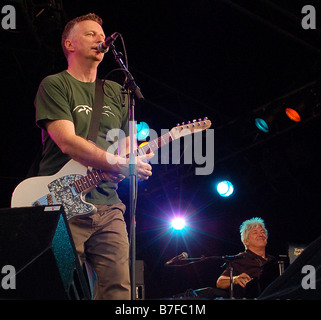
(90, 180)
(175, 133)
(153, 145)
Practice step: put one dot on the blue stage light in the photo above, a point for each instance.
(225, 188)
(262, 125)
(142, 130)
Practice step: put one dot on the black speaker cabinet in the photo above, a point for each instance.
(37, 243)
(289, 285)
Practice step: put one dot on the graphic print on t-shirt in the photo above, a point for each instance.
(84, 108)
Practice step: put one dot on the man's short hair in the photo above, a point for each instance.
(247, 225)
(69, 26)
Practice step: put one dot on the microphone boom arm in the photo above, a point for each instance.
(130, 81)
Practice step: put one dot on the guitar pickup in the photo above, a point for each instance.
(73, 190)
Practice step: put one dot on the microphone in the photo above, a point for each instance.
(104, 46)
(181, 256)
(232, 258)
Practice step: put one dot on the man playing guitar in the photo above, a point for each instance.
(64, 105)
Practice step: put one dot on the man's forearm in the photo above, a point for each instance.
(223, 282)
(88, 154)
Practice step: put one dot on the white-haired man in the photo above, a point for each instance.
(248, 270)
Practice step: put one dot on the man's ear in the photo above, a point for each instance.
(69, 46)
(246, 242)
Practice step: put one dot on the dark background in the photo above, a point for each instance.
(227, 60)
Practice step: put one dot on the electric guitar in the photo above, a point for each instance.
(69, 185)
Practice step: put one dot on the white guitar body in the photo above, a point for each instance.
(55, 189)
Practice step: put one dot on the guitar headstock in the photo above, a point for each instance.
(184, 129)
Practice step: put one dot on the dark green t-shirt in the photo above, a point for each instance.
(61, 96)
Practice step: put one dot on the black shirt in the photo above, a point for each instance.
(253, 265)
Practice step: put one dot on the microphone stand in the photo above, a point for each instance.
(230, 265)
(132, 91)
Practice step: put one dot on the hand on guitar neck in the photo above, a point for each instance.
(122, 171)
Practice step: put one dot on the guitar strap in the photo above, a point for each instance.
(97, 110)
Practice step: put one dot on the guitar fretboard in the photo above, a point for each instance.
(88, 181)
(153, 145)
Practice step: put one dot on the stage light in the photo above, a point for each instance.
(225, 188)
(142, 130)
(293, 114)
(178, 223)
(147, 153)
(266, 119)
(277, 118)
(262, 125)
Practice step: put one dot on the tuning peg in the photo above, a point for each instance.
(205, 118)
(183, 123)
(178, 125)
(194, 120)
(199, 119)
